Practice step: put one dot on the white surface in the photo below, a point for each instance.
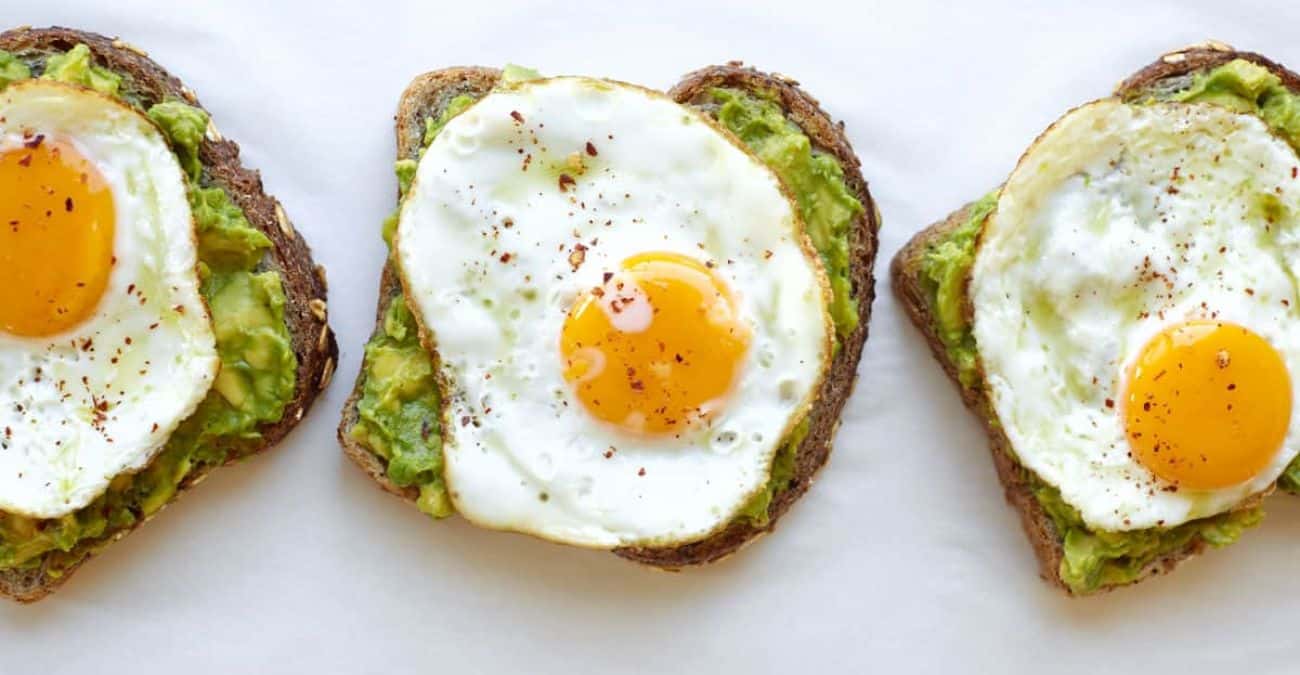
(902, 557)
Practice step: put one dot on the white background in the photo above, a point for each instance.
(902, 557)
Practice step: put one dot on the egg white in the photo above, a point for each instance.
(485, 246)
(1063, 300)
(55, 456)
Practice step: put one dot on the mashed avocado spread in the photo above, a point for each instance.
(398, 414)
(258, 365)
(1094, 559)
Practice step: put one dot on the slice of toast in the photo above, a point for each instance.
(1171, 72)
(304, 282)
(429, 94)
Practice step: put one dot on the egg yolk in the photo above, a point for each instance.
(1207, 405)
(56, 237)
(657, 347)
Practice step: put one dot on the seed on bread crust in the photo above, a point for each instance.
(322, 342)
(212, 134)
(318, 309)
(119, 43)
(282, 219)
(327, 373)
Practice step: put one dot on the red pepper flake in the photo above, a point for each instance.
(566, 182)
(577, 256)
(514, 115)
(610, 452)
(607, 276)
(591, 149)
(67, 205)
(34, 142)
(26, 161)
(1110, 403)
(505, 257)
(641, 471)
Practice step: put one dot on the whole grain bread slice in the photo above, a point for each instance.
(146, 83)
(429, 94)
(1172, 72)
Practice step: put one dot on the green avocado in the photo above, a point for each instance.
(398, 415)
(1092, 559)
(1248, 88)
(1095, 559)
(12, 69)
(826, 203)
(944, 269)
(185, 126)
(74, 67)
(258, 365)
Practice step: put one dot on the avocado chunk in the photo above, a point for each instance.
(184, 125)
(1251, 89)
(783, 468)
(74, 67)
(398, 414)
(12, 69)
(944, 269)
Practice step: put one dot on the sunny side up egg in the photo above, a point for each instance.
(628, 317)
(1135, 303)
(105, 342)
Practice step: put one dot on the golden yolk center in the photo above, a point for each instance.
(1208, 405)
(657, 347)
(56, 238)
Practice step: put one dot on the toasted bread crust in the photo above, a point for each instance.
(429, 94)
(1171, 70)
(304, 283)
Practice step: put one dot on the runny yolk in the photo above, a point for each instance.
(1207, 405)
(56, 237)
(657, 347)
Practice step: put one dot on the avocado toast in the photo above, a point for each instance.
(265, 296)
(392, 432)
(931, 276)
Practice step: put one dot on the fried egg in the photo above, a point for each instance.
(1134, 298)
(105, 341)
(627, 315)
